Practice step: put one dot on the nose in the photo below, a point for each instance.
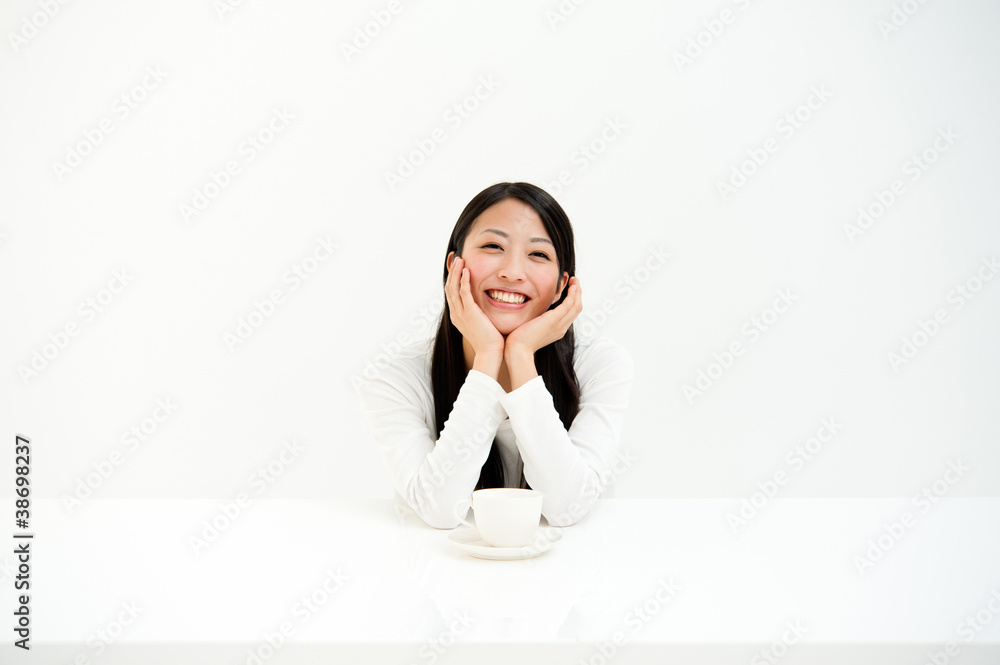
(512, 267)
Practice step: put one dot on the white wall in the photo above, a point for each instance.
(681, 130)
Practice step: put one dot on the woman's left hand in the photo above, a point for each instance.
(549, 327)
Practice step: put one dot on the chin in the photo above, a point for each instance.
(507, 322)
(506, 328)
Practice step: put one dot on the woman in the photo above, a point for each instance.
(504, 395)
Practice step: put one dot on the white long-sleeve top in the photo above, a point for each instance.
(432, 474)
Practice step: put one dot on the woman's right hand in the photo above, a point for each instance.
(469, 318)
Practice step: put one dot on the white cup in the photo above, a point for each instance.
(505, 516)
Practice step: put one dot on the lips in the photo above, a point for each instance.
(507, 297)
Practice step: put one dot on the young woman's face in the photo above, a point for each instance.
(513, 271)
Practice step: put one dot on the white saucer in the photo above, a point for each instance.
(474, 545)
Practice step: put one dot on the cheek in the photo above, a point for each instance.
(546, 285)
(475, 285)
(480, 269)
(474, 279)
(477, 268)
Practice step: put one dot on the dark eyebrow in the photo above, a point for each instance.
(503, 234)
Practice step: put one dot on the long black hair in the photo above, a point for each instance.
(554, 362)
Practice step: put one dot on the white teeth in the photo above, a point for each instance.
(506, 297)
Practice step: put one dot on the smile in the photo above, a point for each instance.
(507, 297)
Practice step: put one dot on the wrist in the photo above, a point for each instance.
(488, 362)
(516, 352)
(521, 366)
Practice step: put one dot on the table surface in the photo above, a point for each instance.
(356, 571)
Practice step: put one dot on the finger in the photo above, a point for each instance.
(575, 292)
(450, 281)
(574, 282)
(455, 275)
(458, 297)
(466, 289)
(570, 291)
(451, 289)
(572, 297)
(449, 294)
(449, 285)
(570, 307)
(577, 299)
(568, 316)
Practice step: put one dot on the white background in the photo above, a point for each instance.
(685, 127)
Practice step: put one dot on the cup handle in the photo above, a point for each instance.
(460, 512)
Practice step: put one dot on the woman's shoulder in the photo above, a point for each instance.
(400, 364)
(417, 351)
(600, 355)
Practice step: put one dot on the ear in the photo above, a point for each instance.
(563, 281)
(448, 261)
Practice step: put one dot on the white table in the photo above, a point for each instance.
(385, 586)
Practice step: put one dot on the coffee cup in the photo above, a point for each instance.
(505, 516)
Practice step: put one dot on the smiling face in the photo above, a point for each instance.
(513, 270)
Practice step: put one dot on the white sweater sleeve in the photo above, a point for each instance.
(572, 468)
(432, 476)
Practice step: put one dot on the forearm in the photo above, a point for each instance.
(488, 363)
(520, 366)
(451, 470)
(433, 472)
(565, 473)
(572, 466)
(552, 464)
(555, 466)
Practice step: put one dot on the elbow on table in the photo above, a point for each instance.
(567, 515)
(568, 507)
(562, 520)
(439, 519)
(429, 508)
